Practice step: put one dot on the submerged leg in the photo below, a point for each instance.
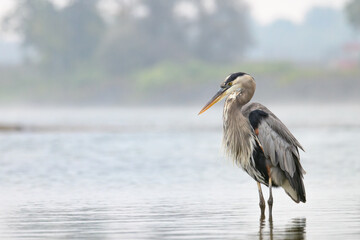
(270, 201)
(262, 201)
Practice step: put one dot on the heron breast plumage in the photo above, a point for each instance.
(241, 143)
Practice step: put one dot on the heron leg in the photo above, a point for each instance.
(270, 200)
(262, 201)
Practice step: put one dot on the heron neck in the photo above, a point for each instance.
(232, 107)
(237, 133)
(244, 97)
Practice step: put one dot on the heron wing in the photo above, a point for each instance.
(278, 143)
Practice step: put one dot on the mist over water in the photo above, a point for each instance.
(161, 174)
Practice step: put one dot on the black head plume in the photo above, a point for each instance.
(232, 77)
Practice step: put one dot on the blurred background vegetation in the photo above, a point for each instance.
(121, 52)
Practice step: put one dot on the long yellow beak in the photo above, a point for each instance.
(218, 96)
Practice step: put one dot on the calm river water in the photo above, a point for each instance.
(161, 174)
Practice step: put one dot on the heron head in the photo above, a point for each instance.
(235, 84)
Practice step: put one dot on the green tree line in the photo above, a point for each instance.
(61, 39)
(81, 53)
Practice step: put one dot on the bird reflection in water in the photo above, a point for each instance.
(295, 230)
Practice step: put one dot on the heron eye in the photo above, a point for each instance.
(229, 84)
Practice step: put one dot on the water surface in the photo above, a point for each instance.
(161, 174)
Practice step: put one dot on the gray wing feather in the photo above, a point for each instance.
(277, 141)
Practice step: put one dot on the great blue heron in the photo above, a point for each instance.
(258, 141)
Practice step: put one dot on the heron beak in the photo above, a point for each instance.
(218, 96)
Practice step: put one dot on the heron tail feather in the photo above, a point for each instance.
(297, 197)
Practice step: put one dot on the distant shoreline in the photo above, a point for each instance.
(169, 118)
